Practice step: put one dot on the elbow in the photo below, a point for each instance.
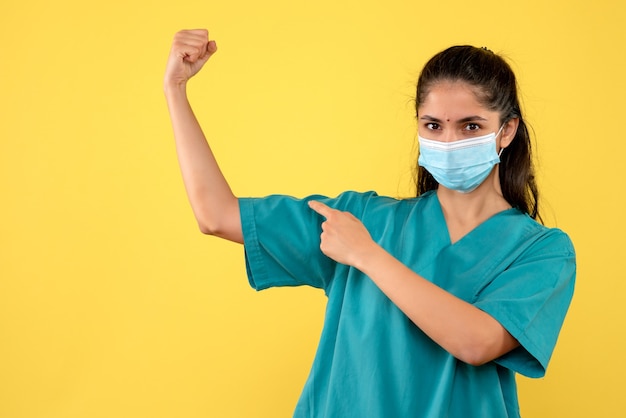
(484, 351)
(229, 231)
(211, 222)
(208, 228)
(475, 357)
(478, 351)
(223, 224)
(485, 344)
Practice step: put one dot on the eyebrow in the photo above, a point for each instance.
(463, 120)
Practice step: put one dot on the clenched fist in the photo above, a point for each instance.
(191, 49)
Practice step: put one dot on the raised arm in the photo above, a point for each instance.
(215, 206)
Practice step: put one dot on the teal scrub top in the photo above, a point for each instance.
(372, 361)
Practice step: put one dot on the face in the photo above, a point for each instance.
(451, 112)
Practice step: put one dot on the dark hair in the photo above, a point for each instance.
(497, 90)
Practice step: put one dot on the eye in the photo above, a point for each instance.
(433, 126)
(472, 127)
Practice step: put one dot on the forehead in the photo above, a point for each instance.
(452, 99)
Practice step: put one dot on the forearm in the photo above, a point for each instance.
(215, 206)
(463, 330)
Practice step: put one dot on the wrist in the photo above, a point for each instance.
(369, 255)
(174, 87)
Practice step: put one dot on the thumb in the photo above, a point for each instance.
(211, 48)
(204, 55)
(194, 56)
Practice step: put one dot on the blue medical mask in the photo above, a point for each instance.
(460, 165)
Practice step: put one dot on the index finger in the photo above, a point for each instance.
(320, 208)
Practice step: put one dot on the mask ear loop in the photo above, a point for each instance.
(500, 130)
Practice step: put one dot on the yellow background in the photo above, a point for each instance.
(112, 304)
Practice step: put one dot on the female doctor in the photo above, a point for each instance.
(434, 302)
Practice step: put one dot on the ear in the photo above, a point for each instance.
(508, 132)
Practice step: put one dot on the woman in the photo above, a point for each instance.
(434, 303)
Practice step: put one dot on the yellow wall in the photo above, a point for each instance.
(112, 304)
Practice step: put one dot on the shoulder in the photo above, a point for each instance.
(547, 254)
(546, 239)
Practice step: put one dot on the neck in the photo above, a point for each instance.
(474, 207)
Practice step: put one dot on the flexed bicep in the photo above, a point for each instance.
(214, 205)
